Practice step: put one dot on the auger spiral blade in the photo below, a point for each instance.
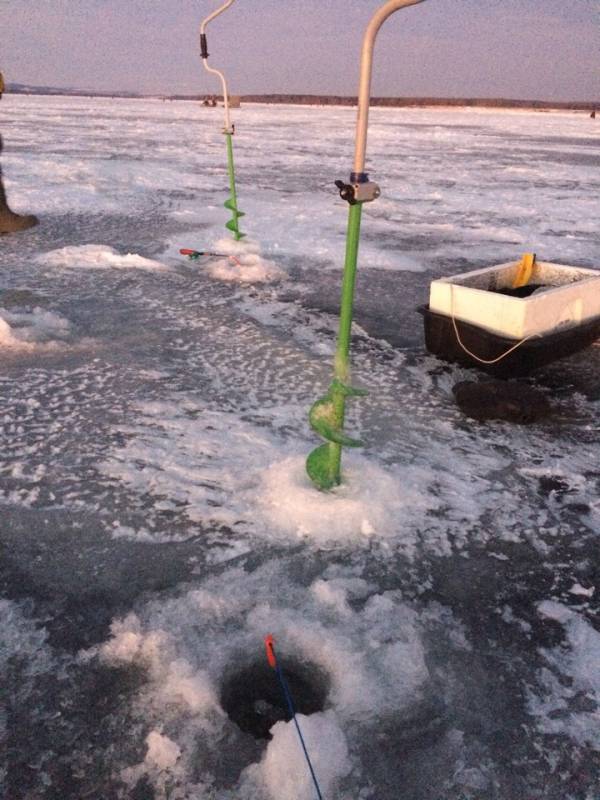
(231, 202)
(326, 417)
(232, 224)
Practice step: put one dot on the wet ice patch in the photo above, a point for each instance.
(21, 637)
(568, 701)
(97, 256)
(26, 329)
(24, 656)
(197, 460)
(245, 265)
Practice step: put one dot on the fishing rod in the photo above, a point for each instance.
(194, 255)
(274, 664)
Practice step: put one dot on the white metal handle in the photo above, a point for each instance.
(228, 126)
(366, 69)
(214, 14)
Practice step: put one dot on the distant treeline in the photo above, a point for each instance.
(327, 100)
(407, 102)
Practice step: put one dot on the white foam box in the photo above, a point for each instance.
(570, 296)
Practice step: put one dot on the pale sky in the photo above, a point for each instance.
(521, 49)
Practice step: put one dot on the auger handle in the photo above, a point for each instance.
(204, 57)
(366, 70)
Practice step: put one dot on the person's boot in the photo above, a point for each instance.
(11, 222)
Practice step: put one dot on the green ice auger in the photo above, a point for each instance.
(327, 415)
(228, 130)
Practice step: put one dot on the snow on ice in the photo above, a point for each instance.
(155, 516)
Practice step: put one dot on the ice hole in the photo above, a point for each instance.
(253, 697)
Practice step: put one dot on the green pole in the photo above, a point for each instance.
(231, 202)
(342, 361)
(327, 414)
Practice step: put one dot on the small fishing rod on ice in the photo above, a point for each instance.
(194, 255)
(273, 663)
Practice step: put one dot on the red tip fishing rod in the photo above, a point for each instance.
(194, 255)
(272, 659)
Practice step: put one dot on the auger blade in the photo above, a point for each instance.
(347, 391)
(233, 227)
(319, 469)
(231, 206)
(322, 420)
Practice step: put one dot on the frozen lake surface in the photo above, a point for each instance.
(155, 518)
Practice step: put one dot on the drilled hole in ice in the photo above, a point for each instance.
(253, 698)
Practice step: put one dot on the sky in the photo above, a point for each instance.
(520, 49)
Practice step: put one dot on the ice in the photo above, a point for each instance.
(26, 329)
(97, 256)
(156, 519)
(247, 266)
(370, 503)
(162, 752)
(25, 659)
(188, 643)
(283, 768)
(571, 672)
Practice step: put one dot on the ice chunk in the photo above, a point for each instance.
(247, 266)
(284, 769)
(26, 329)
(98, 256)
(162, 752)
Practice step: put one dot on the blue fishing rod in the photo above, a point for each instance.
(272, 659)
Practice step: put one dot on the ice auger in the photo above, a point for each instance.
(327, 415)
(228, 130)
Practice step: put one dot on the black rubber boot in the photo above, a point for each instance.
(9, 221)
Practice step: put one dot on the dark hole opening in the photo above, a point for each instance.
(254, 700)
(522, 291)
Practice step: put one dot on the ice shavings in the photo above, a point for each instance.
(174, 680)
(582, 591)
(371, 658)
(178, 696)
(98, 256)
(372, 501)
(217, 469)
(28, 329)
(162, 752)
(568, 698)
(283, 769)
(247, 264)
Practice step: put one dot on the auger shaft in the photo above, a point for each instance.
(327, 414)
(342, 355)
(231, 204)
